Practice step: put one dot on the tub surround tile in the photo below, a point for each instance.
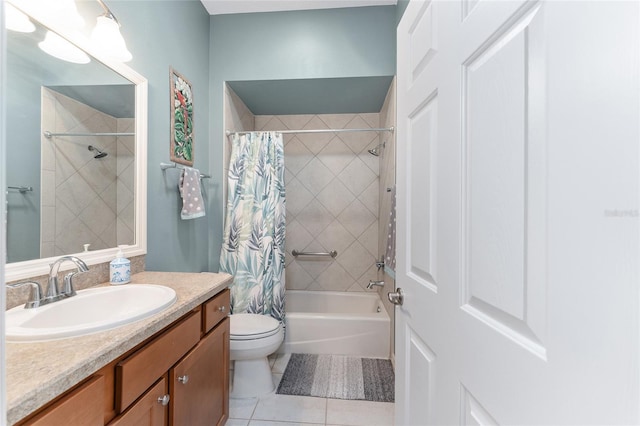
(295, 121)
(297, 156)
(356, 260)
(357, 176)
(296, 277)
(336, 155)
(336, 237)
(335, 197)
(337, 121)
(335, 278)
(56, 366)
(332, 192)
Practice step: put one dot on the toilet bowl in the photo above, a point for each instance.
(253, 338)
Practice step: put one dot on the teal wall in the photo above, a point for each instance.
(316, 44)
(400, 8)
(163, 34)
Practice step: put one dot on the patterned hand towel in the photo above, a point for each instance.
(192, 202)
(390, 248)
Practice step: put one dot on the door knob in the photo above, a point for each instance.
(183, 379)
(396, 297)
(164, 400)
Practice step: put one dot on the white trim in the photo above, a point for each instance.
(31, 268)
(3, 222)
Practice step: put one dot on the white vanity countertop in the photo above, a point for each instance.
(36, 373)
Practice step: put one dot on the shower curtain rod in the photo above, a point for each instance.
(49, 135)
(382, 129)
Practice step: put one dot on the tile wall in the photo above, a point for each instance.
(332, 194)
(125, 182)
(387, 180)
(83, 197)
(332, 200)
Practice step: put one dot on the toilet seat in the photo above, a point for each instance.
(252, 326)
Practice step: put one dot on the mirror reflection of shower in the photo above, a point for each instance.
(99, 154)
(376, 151)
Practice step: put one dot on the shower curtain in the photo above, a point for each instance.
(254, 231)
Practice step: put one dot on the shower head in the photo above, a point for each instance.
(99, 154)
(376, 151)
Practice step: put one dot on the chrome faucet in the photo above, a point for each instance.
(375, 284)
(53, 292)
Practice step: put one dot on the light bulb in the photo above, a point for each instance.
(106, 38)
(60, 48)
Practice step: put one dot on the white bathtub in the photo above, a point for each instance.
(339, 323)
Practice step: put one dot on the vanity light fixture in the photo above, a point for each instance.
(106, 36)
(60, 48)
(64, 12)
(17, 21)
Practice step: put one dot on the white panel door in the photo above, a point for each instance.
(517, 209)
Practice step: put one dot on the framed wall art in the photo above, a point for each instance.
(182, 142)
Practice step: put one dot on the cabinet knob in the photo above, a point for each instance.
(222, 308)
(183, 379)
(164, 400)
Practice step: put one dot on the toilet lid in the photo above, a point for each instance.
(252, 326)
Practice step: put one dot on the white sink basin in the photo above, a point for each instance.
(90, 311)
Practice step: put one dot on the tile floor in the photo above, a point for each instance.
(289, 410)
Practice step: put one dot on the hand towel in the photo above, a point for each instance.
(192, 202)
(390, 247)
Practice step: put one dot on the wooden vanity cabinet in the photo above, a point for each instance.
(82, 406)
(178, 377)
(200, 382)
(150, 409)
(194, 354)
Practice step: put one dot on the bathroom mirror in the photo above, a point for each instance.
(76, 152)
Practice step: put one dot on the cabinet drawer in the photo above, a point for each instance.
(216, 309)
(81, 407)
(139, 371)
(147, 410)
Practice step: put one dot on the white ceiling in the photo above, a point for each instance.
(219, 7)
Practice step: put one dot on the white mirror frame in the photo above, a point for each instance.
(36, 267)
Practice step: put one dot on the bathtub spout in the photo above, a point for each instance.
(375, 283)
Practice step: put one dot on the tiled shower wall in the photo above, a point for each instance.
(84, 200)
(332, 194)
(387, 181)
(332, 200)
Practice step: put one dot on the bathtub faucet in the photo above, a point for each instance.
(375, 283)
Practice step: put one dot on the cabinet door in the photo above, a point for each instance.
(148, 410)
(200, 382)
(82, 407)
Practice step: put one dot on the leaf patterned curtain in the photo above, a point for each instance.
(254, 231)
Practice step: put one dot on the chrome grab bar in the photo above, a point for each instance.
(297, 253)
(21, 189)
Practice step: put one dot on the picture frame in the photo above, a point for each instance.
(182, 140)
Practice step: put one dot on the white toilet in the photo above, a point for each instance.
(253, 338)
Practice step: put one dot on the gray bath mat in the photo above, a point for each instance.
(339, 377)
